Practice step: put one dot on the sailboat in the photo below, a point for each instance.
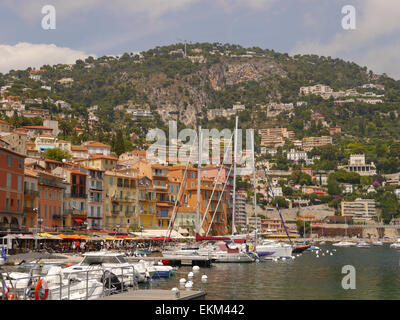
(220, 251)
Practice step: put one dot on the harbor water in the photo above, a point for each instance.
(305, 277)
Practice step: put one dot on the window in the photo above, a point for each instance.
(9, 161)
(8, 180)
(20, 163)
(111, 181)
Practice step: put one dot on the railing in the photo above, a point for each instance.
(91, 284)
(129, 213)
(30, 192)
(115, 211)
(76, 195)
(28, 209)
(73, 211)
(57, 216)
(123, 199)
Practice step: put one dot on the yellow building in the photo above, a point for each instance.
(100, 162)
(120, 205)
(147, 203)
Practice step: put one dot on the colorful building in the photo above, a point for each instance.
(120, 201)
(11, 189)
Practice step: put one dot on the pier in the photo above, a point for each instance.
(157, 294)
(178, 260)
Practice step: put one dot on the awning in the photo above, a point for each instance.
(78, 220)
(72, 236)
(149, 234)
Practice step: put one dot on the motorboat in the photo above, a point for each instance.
(52, 286)
(377, 243)
(158, 271)
(396, 245)
(271, 249)
(237, 254)
(363, 245)
(344, 244)
(301, 247)
(114, 262)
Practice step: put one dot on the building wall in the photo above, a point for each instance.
(11, 188)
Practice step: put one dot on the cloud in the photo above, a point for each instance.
(377, 28)
(31, 9)
(24, 55)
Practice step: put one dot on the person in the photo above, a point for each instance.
(73, 246)
(82, 246)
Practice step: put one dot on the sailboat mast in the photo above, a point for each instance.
(254, 181)
(234, 176)
(198, 182)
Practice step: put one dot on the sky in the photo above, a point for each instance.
(104, 27)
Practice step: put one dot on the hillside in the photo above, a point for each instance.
(175, 85)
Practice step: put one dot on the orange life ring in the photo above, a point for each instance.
(11, 296)
(41, 283)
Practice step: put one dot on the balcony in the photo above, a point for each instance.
(57, 216)
(94, 199)
(123, 199)
(129, 213)
(74, 211)
(30, 192)
(115, 211)
(29, 209)
(76, 195)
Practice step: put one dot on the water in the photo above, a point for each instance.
(305, 277)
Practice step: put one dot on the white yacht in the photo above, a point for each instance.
(271, 249)
(344, 244)
(363, 245)
(115, 263)
(396, 245)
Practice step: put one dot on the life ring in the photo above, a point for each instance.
(251, 247)
(11, 296)
(41, 283)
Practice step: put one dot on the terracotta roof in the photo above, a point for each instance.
(97, 144)
(78, 148)
(4, 122)
(101, 156)
(75, 171)
(29, 172)
(37, 127)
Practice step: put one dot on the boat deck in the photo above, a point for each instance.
(157, 294)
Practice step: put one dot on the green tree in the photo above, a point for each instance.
(57, 154)
(119, 144)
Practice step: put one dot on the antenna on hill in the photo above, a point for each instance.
(185, 42)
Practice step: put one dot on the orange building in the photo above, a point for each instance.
(31, 199)
(11, 189)
(50, 203)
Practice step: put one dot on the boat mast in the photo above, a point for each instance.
(234, 176)
(198, 182)
(254, 182)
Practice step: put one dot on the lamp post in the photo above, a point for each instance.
(39, 221)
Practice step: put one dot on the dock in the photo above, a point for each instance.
(178, 260)
(157, 294)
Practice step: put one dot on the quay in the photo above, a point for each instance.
(157, 294)
(178, 260)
